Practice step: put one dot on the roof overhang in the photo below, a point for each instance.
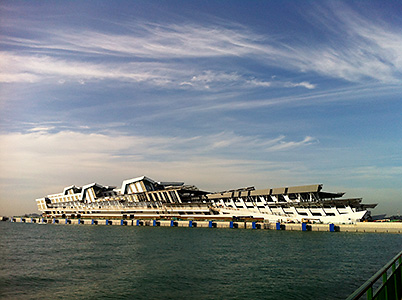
(132, 180)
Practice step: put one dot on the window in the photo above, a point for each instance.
(142, 197)
(173, 196)
(166, 197)
(281, 198)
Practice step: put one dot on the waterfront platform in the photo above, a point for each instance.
(374, 227)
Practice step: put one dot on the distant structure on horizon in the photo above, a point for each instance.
(143, 197)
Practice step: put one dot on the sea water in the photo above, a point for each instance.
(119, 262)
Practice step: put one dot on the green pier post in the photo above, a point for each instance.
(370, 293)
(384, 281)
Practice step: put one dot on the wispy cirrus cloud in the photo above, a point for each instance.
(32, 69)
(38, 68)
(213, 79)
(150, 40)
(357, 47)
(286, 145)
(48, 142)
(358, 50)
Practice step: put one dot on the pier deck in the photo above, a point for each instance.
(386, 227)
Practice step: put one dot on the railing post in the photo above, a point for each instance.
(370, 293)
(395, 278)
(384, 283)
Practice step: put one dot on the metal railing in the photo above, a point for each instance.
(391, 286)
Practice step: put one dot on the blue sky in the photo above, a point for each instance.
(219, 94)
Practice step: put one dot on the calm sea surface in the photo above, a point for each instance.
(116, 262)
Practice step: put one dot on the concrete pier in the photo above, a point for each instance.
(374, 227)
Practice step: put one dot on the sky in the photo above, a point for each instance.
(218, 94)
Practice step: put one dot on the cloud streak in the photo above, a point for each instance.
(38, 68)
(38, 148)
(35, 69)
(360, 50)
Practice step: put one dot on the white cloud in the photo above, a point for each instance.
(33, 69)
(358, 48)
(284, 145)
(148, 40)
(20, 68)
(361, 50)
(371, 172)
(255, 82)
(41, 129)
(18, 77)
(210, 76)
(304, 84)
(223, 80)
(30, 154)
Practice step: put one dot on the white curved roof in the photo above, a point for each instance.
(133, 180)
